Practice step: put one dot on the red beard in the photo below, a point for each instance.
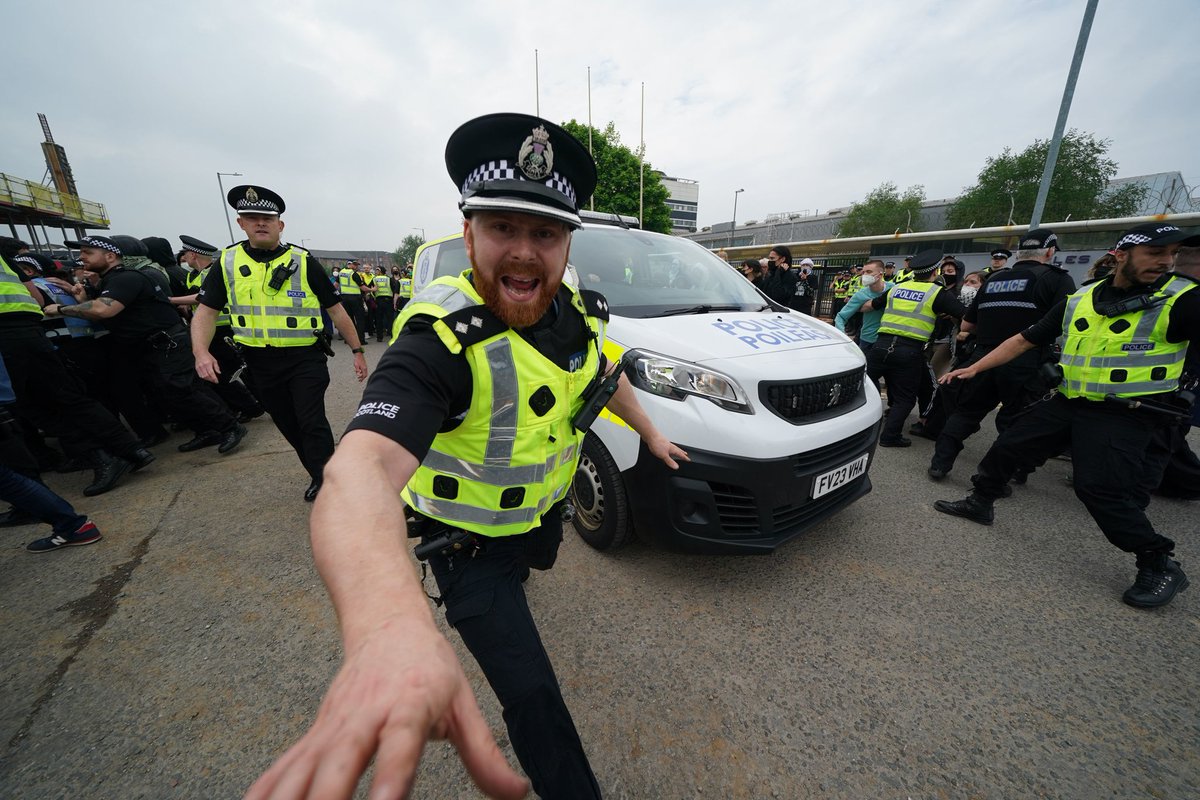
(512, 313)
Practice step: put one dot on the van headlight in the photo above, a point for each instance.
(669, 377)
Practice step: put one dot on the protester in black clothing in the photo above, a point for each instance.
(159, 251)
(139, 315)
(806, 287)
(1011, 299)
(1123, 338)
(55, 400)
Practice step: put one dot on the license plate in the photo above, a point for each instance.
(836, 478)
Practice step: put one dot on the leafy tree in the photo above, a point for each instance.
(885, 210)
(617, 178)
(1009, 183)
(407, 249)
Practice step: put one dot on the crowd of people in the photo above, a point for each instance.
(492, 369)
(107, 350)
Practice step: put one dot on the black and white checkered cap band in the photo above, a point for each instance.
(99, 244)
(30, 260)
(259, 206)
(501, 171)
(200, 250)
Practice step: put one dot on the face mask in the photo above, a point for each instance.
(869, 279)
(967, 294)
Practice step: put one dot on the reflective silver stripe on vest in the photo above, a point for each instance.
(460, 512)
(1145, 387)
(451, 298)
(502, 430)
(1122, 362)
(17, 298)
(480, 473)
(1008, 304)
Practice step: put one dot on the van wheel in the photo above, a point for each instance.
(598, 493)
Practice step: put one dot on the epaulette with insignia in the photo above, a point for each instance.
(474, 324)
(595, 304)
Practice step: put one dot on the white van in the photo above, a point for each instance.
(771, 405)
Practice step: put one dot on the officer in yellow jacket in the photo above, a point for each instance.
(275, 292)
(910, 312)
(470, 416)
(1125, 344)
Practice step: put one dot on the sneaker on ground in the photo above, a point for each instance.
(88, 533)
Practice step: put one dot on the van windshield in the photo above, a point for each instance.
(641, 274)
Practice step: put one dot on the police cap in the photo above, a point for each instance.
(255, 200)
(925, 260)
(130, 245)
(1153, 234)
(1001, 252)
(517, 162)
(99, 243)
(194, 245)
(39, 262)
(1039, 239)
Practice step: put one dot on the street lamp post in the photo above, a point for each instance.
(422, 230)
(733, 227)
(224, 204)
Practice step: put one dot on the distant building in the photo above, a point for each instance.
(684, 202)
(1168, 194)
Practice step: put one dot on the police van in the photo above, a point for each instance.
(771, 405)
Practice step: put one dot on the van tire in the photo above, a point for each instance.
(598, 493)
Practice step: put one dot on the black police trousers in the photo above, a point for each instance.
(1012, 386)
(901, 363)
(1108, 453)
(290, 382)
(486, 604)
(54, 399)
(235, 393)
(357, 311)
(170, 371)
(384, 315)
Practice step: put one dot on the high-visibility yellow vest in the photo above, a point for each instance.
(1126, 355)
(346, 284)
(406, 287)
(383, 286)
(261, 316)
(841, 288)
(194, 281)
(14, 295)
(505, 464)
(903, 276)
(909, 310)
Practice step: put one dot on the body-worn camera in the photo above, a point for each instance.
(1128, 305)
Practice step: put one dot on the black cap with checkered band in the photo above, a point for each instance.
(1039, 239)
(194, 245)
(255, 200)
(1154, 234)
(517, 162)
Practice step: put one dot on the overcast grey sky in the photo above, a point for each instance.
(344, 108)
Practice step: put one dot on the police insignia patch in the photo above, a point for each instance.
(251, 195)
(536, 156)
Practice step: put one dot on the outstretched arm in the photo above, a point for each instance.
(400, 683)
(624, 404)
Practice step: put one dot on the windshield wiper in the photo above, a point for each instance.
(702, 309)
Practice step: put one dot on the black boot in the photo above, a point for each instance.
(1159, 579)
(310, 494)
(972, 507)
(231, 438)
(109, 470)
(140, 458)
(200, 440)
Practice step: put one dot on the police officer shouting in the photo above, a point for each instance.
(275, 293)
(469, 414)
(1126, 341)
(1010, 300)
(910, 313)
(138, 313)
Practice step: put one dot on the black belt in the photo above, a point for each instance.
(900, 339)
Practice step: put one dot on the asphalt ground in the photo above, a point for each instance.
(891, 652)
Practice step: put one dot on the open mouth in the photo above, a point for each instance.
(520, 289)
